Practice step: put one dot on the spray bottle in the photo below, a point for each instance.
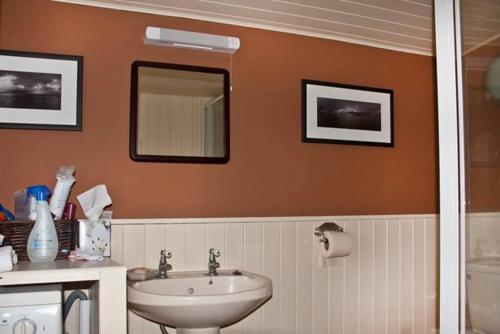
(42, 242)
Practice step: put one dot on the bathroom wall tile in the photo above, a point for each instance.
(253, 262)
(234, 329)
(483, 232)
(288, 295)
(153, 244)
(150, 327)
(352, 280)
(387, 285)
(196, 247)
(135, 324)
(117, 243)
(320, 312)
(175, 242)
(431, 267)
(133, 256)
(304, 254)
(495, 235)
(271, 268)
(419, 276)
(407, 277)
(234, 246)
(380, 276)
(252, 247)
(394, 277)
(366, 279)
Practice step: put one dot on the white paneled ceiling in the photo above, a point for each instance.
(480, 23)
(403, 25)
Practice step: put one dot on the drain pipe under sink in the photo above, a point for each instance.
(84, 309)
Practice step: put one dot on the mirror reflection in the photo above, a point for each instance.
(179, 113)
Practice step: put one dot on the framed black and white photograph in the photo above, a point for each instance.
(40, 91)
(346, 114)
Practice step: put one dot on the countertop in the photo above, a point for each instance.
(26, 272)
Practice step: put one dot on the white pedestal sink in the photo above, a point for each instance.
(195, 303)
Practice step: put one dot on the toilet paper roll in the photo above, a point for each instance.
(339, 244)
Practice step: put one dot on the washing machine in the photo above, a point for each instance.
(31, 309)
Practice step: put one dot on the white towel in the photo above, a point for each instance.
(6, 258)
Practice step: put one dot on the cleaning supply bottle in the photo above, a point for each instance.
(65, 180)
(42, 242)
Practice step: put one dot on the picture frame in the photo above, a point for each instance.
(347, 114)
(40, 91)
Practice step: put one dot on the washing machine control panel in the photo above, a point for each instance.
(39, 319)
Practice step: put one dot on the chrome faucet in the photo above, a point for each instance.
(212, 263)
(163, 267)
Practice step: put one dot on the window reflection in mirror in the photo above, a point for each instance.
(179, 113)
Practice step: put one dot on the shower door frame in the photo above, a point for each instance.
(451, 166)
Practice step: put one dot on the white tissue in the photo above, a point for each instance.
(6, 258)
(1, 239)
(83, 255)
(94, 201)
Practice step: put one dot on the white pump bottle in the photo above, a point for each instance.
(42, 242)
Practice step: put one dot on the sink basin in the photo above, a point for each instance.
(196, 303)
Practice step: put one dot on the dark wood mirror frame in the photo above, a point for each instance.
(134, 155)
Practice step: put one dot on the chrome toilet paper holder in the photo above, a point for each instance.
(327, 226)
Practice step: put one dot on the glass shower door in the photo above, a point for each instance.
(480, 73)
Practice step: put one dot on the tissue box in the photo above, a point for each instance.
(95, 237)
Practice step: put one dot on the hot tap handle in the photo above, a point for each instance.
(166, 254)
(215, 252)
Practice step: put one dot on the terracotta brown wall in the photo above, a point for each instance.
(483, 131)
(270, 172)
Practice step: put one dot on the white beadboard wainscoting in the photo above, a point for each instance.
(483, 232)
(387, 285)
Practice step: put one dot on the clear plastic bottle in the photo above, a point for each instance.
(63, 186)
(42, 242)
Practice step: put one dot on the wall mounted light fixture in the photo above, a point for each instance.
(192, 40)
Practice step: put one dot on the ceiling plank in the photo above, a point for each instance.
(285, 12)
(399, 6)
(377, 13)
(304, 22)
(393, 29)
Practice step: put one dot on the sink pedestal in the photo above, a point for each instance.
(213, 330)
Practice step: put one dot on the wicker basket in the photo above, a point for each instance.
(17, 233)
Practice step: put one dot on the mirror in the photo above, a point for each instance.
(179, 113)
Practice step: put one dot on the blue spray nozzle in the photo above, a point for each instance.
(41, 193)
(7, 214)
